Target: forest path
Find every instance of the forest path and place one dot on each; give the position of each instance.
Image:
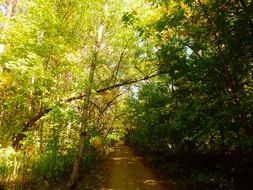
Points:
(123, 170)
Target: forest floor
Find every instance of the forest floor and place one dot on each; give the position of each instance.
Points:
(124, 170)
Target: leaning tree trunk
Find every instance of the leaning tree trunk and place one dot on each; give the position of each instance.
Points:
(85, 115)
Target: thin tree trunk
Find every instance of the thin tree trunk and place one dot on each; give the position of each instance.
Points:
(86, 105)
(85, 118)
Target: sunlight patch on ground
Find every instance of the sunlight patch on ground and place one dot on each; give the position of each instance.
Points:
(151, 182)
(136, 158)
(118, 158)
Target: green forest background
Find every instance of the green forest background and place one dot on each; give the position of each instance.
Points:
(173, 78)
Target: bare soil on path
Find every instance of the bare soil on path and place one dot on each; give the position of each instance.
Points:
(123, 170)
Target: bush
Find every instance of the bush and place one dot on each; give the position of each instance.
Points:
(50, 166)
(7, 162)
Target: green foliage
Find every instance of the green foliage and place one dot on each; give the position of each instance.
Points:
(46, 49)
(247, 143)
(50, 167)
(208, 80)
(7, 159)
(201, 181)
(202, 105)
(15, 167)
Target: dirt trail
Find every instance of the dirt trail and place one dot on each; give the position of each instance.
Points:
(123, 170)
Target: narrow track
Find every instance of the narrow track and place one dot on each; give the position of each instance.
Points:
(124, 170)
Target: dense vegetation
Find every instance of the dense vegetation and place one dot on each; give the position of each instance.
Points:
(172, 77)
(198, 114)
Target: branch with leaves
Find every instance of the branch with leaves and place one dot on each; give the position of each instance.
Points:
(32, 121)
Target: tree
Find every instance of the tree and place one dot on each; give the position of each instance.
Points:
(59, 57)
(209, 64)
(207, 103)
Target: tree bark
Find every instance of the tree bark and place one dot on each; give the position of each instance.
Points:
(85, 119)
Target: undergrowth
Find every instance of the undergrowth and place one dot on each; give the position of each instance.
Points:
(198, 171)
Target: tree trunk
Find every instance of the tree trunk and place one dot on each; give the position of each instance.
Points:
(85, 119)
(12, 8)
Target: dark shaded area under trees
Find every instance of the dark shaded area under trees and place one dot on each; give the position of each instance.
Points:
(196, 122)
